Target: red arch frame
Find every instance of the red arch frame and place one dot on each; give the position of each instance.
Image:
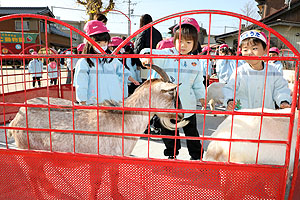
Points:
(208, 12)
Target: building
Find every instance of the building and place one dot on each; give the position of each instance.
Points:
(34, 31)
(76, 24)
(281, 15)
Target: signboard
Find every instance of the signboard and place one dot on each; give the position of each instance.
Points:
(16, 37)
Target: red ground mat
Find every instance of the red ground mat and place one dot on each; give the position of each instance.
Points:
(35, 175)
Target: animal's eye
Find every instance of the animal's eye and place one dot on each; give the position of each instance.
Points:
(172, 92)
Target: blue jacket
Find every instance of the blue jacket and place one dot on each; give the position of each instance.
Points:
(190, 77)
(250, 87)
(52, 72)
(35, 68)
(203, 63)
(109, 79)
(277, 64)
(224, 69)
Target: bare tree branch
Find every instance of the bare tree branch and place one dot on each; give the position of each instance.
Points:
(94, 7)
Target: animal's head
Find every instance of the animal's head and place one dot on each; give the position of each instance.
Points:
(164, 96)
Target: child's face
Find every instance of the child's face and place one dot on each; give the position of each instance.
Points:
(253, 50)
(186, 45)
(102, 43)
(271, 54)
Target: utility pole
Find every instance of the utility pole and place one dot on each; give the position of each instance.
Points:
(129, 21)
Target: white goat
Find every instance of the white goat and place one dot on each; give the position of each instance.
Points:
(247, 127)
(215, 94)
(163, 95)
(289, 75)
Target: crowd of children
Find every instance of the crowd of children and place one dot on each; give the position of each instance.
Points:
(99, 79)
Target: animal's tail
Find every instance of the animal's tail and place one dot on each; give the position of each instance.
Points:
(14, 122)
(10, 132)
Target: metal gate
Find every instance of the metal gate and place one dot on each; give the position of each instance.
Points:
(33, 174)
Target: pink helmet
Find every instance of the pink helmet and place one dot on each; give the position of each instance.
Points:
(274, 49)
(52, 65)
(94, 27)
(115, 41)
(223, 46)
(34, 53)
(168, 43)
(130, 44)
(188, 20)
(206, 48)
(80, 47)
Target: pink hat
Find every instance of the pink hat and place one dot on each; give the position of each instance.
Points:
(168, 43)
(254, 34)
(206, 48)
(223, 46)
(274, 49)
(115, 41)
(52, 65)
(130, 44)
(34, 53)
(94, 27)
(80, 47)
(188, 20)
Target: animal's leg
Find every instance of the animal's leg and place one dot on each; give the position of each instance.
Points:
(96, 171)
(212, 105)
(114, 177)
(39, 181)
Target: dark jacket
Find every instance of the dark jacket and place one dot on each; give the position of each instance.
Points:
(143, 40)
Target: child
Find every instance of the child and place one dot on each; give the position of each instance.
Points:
(131, 65)
(35, 68)
(274, 52)
(114, 43)
(191, 79)
(224, 67)
(52, 71)
(97, 80)
(251, 78)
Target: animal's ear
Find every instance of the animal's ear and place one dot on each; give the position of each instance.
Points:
(168, 87)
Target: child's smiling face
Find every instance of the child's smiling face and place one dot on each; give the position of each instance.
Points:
(253, 49)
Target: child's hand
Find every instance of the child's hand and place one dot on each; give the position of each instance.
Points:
(285, 105)
(136, 82)
(230, 106)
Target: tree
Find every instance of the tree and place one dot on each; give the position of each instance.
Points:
(250, 10)
(94, 7)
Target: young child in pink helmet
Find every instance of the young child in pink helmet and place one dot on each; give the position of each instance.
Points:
(52, 71)
(114, 43)
(274, 52)
(190, 76)
(251, 76)
(98, 79)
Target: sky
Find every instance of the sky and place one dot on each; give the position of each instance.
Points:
(118, 23)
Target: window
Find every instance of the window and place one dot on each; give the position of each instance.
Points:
(18, 25)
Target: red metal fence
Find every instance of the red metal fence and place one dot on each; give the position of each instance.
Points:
(33, 174)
